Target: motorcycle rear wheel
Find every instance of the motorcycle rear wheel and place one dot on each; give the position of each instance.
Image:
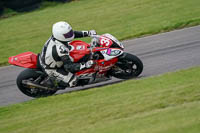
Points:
(128, 66)
(31, 74)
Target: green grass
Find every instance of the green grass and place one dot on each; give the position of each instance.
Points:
(124, 19)
(163, 104)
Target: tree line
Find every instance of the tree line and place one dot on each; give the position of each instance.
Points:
(23, 5)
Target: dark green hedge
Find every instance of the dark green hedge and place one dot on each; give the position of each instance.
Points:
(22, 5)
(60, 0)
(1, 7)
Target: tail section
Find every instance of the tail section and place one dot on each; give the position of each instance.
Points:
(26, 60)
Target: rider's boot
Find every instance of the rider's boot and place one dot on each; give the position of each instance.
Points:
(73, 81)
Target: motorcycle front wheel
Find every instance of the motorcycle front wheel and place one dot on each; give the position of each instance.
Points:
(128, 66)
(31, 75)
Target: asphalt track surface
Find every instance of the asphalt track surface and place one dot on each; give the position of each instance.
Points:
(161, 53)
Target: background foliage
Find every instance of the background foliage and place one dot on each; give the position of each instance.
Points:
(23, 5)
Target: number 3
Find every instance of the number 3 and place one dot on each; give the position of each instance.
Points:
(105, 42)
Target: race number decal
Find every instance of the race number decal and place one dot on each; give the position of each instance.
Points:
(63, 49)
(105, 42)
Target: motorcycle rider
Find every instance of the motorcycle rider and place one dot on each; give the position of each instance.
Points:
(55, 58)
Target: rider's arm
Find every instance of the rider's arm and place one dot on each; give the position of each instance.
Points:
(79, 34)
(75, 67)
(69, 65)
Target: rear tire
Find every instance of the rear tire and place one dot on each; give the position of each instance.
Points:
(128, 66)
(31, 74)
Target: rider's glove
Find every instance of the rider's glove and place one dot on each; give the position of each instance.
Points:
(91, 32)
(89, 63)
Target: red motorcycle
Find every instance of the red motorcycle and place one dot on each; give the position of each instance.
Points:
(105, 50)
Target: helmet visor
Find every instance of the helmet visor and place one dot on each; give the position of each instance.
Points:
(69, 34)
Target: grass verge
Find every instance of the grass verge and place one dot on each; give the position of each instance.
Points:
(161, 104)
(124, 19)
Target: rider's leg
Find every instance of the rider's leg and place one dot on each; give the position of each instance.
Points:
(62, 75)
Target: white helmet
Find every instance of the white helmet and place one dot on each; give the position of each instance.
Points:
(62, 31)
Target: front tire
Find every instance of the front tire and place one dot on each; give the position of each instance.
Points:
(128, 66)
(31, 74)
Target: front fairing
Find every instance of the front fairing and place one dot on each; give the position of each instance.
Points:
(114, 39)
(111, 53)
(106, 40)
